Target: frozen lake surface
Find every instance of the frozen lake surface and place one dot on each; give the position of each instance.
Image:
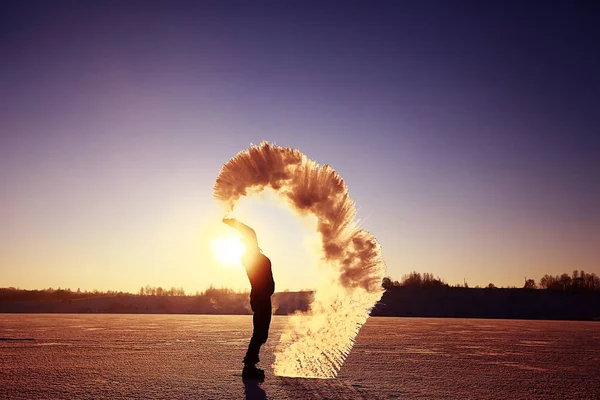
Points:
(199, 357)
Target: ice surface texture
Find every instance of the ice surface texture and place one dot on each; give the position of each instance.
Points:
(315, 343)
(119, 356)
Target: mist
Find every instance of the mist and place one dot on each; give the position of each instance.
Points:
(316, 342)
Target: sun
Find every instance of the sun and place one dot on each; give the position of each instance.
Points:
(227, 250)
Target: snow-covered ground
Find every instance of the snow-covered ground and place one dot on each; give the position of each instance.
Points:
(199, 357)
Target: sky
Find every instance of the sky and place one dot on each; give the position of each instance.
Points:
(468, 134)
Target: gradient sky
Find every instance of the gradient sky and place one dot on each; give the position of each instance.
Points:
(469, 135)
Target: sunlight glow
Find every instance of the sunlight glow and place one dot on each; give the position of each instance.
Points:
(228, 250)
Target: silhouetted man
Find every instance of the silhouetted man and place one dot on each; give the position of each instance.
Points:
(258, 268)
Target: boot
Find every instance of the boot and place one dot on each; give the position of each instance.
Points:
(250, 371)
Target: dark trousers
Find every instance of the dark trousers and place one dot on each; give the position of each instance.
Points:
(261, 307)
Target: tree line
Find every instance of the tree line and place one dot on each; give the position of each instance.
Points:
(160, 291)
(51, 294)
(578, 281)
(179, 292)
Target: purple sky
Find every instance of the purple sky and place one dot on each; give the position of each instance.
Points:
(468, 134)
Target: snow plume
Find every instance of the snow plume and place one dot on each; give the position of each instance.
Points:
(315, 343)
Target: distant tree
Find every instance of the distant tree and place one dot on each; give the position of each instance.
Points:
(594, 282)
(591, 282)
(546, 281)
(387, 283)
(421, 280)
(491, 286)
(530, 284)
(578, 281)
(412, 279)
(215, 292)
(565, 281)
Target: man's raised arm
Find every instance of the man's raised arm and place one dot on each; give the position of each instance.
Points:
(244, 229)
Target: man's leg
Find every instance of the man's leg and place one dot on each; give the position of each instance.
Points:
(254, 346)
(264, 321)
(261, 321)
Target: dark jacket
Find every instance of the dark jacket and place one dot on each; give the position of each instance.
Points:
(258, 269)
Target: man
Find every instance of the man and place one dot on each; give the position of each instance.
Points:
(258, 269)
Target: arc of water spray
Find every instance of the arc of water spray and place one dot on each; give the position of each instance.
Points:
(315, 343)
